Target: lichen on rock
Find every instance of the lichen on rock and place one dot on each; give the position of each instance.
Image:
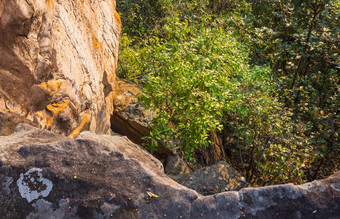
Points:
(32, 185)
(105, 176)
(57, 58)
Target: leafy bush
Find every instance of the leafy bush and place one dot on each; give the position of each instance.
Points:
(199, 80)
(265, 142)
(140, 18)
(189, 76)
(264, 73)
(131, 60)
(299, 40)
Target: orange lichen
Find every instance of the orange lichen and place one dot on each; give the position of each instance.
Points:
(96, 44)
(117, 19)
(76, 131)
(50, 3)
(120, 90)
(55, 109)
(51, 86)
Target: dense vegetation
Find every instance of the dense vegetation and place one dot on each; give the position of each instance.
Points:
(263, 75)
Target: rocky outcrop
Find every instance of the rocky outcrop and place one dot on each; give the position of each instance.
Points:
(57, 65)
(214, 179)
(45, 175)
(131, 119)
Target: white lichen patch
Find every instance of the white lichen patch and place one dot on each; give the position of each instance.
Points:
(33, 185)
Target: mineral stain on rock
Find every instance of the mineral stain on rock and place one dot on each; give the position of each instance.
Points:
(32, 185)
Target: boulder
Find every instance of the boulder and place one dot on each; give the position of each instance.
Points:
(46, 175)
(57, 66)
(176, 166)
(213, 179)
(131, 119)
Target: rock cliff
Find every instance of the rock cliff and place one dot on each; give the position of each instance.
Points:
(57, 64)
(45, 175)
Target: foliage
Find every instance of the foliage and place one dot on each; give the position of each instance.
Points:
(264, 73)
(267, 144)
(189, 79)
(142, 20)
(140, 17)
(130, 63)
(300, 40)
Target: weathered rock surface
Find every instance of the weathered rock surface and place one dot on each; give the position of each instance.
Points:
(128, 118)
(131, 119)
(57, 65)
(176, 166)
(214, 179)
(44, 175)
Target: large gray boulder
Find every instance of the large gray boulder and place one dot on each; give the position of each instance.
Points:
(45, 175)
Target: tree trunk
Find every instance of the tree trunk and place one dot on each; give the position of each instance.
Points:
(214, 153)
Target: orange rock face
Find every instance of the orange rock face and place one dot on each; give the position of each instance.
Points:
(57, 64)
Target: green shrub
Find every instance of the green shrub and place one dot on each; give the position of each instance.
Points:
(199, 80)
(267, 145)
(263, 72)
(130, 63)
(189, 75)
